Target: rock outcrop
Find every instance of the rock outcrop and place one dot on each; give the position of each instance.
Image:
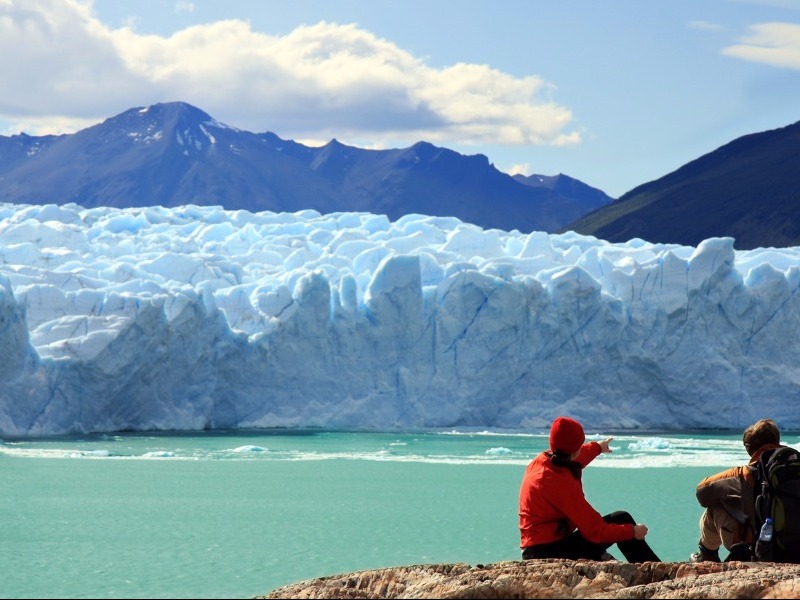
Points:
(556, 578)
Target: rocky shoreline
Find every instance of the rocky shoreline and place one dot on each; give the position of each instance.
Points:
(556, 578)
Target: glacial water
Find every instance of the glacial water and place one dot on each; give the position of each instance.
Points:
(238, 514)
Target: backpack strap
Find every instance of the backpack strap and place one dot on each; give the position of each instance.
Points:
(763, 508)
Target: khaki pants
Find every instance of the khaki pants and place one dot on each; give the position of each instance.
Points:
(718, 528)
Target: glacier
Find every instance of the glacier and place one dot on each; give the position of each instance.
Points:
(196, 318)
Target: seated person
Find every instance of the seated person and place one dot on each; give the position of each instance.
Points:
(556, 520)
(728, 498)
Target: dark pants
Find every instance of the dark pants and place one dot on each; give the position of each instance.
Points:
(575, 546)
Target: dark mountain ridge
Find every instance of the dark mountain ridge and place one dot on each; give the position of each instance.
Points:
(748, 189)
(173, 154)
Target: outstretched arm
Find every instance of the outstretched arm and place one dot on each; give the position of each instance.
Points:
(605, 448)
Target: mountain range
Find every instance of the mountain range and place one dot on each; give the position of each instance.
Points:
(173, 154)
(748, 189)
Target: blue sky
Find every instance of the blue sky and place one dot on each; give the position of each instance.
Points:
(614, 93)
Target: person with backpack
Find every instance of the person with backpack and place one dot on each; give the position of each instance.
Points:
(556, 520)
(728, 497)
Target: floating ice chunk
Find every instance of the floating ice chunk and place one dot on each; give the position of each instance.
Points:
(248, 449)
(499, 451)
(159, 454)
(88, 454)
(654, 443)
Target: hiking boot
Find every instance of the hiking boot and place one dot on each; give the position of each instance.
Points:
(741, 552)
(704, 555)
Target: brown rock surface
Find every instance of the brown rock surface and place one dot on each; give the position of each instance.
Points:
(555, 578)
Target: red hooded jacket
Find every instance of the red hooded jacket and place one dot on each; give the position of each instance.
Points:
(552, 504)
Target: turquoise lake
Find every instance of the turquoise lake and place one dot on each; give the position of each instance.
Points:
(233, 515)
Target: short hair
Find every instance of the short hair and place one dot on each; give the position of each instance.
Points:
(760, 433)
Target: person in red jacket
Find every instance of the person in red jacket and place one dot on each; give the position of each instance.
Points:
(556, 520)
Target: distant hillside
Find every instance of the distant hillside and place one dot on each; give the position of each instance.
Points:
(172, 154)
(585, 198)
(748, 189)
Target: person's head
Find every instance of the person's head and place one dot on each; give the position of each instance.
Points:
(759, 434)
(566, 436)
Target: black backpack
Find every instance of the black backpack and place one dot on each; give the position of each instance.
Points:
(777, 495)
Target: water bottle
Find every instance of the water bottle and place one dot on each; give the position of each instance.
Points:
(766, 531)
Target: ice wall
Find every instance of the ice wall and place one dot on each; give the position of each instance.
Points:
(197, 317)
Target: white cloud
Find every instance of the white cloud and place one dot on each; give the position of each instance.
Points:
(317, 82)
(775, 44)
(46, 125)
(519, 169)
